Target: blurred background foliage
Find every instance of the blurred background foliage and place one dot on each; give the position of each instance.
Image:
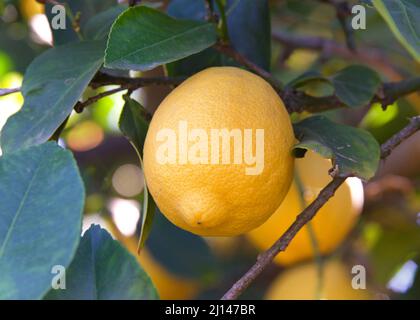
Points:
(182, 265)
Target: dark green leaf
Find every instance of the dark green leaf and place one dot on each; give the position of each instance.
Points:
(133, 123)
(147, 215)
(353, 151)
(250, 30)
(187, 9)
(356, 85)
(85, 8)
(134, 126)
(179, 251)
(402, 17)
(98, 26)
(52, 85)
(143, 38)
(104, 270)
(41, 205)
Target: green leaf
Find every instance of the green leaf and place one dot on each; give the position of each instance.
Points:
(402, 17)
(104, 270)
(143, 38)
(356, 85)
(52, 85)
(250, 30)
(86, 9)
(134, 126)
(181, 252)
(98, 26)
(353, 151)
(147, 215)
(133, 123)
(41, 205)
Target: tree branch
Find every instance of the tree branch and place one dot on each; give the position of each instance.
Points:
(343, 11)
(265, 258)
(5, 92)
(80, 106)
(367, 55)
(102, 79)
(229, 51)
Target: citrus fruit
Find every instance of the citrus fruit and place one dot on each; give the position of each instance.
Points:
(301, 283)
(331, 224)
(217, 156)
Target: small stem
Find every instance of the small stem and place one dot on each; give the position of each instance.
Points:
(6, 91)
(224, 34)
(79, 107)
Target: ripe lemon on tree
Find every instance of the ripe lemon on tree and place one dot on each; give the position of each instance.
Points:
(210, 185)
(331, 224)
(302, 283)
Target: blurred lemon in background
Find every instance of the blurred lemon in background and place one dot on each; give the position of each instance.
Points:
(301, 283)
(332, 223)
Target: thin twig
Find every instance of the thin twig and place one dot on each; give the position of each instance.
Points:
(265, 258)
(404, 134)
(367, 55)
(5, 92)
(343, 11)
(102, 79)
(229, 51)
(79, 107)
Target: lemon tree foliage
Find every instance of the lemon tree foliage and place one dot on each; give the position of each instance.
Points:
(134, 126)
(354, 151)
(52, 85)
(156, 39)
(167, 244)
(88, 10)
(249, 32)
(355, 85)
(402, 18)
(103, 269)
(99, 25)
(41, 203)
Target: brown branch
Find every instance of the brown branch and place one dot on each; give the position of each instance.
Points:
(265, 258)
(102, 79)
(343, 11)
(5, 92)
(367, 55)
(398, 138)
(229, 51)
(81, 105)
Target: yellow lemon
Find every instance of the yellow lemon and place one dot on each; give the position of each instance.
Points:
(331, 224)
(302, 283)
(217, 156)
